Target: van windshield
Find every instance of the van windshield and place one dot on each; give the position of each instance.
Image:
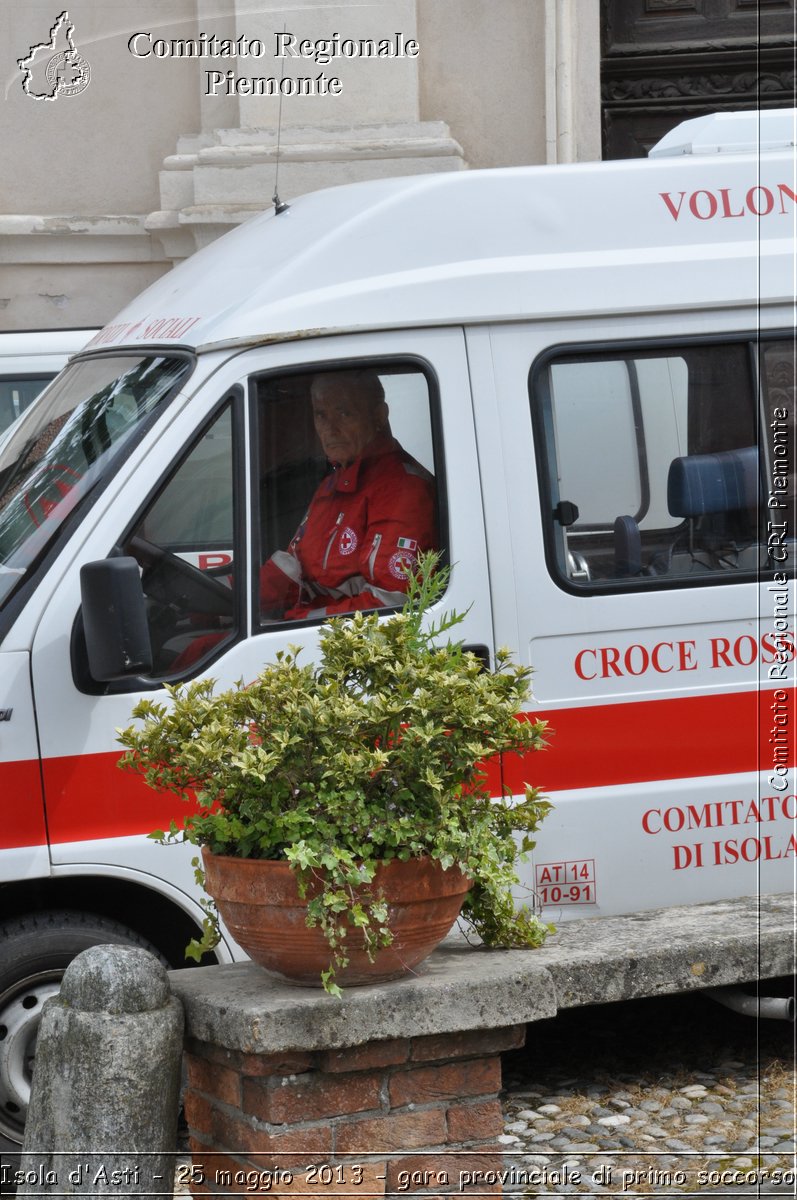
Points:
(65, 447)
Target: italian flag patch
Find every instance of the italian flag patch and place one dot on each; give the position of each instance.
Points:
(407, 544)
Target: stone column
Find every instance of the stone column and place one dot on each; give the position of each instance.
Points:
(572, 81)
(105, 1098)
(350, 118)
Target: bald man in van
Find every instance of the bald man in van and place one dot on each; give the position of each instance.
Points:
(368, 520)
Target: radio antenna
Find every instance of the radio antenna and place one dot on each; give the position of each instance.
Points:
(279, 205)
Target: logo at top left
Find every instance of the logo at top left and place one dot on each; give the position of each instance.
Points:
(55, 68)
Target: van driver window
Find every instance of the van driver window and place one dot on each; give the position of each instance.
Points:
(184, 544)
(654, 464)
(347, 494)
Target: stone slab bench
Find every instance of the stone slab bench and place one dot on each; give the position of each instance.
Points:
(395, 1087)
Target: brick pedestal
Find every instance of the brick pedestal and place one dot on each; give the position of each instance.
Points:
(414, 1114)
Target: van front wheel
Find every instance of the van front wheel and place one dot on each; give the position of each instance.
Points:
(35, 950)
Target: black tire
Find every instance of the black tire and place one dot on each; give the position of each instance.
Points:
(35, 950)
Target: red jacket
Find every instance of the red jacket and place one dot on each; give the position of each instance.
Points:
(365, 525)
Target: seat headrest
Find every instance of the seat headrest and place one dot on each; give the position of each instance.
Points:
(627, 546)
(714, 483)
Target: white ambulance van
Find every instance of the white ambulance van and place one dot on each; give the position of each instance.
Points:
(29, 359)
(596, 363)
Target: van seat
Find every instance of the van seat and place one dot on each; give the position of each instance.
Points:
(718, 494)
(714, 483)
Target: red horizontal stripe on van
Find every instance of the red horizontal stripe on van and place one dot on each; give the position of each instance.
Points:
(682, 738)
(22, 822)
(606, 745)
(89, 797)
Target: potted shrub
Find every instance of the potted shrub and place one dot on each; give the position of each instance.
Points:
(319, 787)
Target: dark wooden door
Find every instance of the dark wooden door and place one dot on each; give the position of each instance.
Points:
(666, 60)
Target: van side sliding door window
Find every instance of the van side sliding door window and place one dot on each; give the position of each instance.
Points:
(347, 497)
(652, 464)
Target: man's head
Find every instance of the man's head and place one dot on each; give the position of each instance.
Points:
(349, 411)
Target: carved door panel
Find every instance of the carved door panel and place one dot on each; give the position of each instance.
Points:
(664, 61)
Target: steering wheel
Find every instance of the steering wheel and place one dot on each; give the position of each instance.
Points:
(171, 580)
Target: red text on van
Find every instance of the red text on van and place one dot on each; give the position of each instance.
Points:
(704, 204)
(605, 662)
(613, 662)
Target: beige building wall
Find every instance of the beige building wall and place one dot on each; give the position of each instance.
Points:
(483, 75)
(73, 243)
(517, 81)
(99, 151)
(113, 184)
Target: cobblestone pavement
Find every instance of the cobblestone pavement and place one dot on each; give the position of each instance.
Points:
(673, 1096)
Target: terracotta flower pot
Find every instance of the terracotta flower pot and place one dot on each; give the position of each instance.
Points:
(260, 904)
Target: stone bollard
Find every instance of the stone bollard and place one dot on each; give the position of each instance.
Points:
(106, 1085)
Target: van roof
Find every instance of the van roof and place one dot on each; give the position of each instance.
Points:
(481, 246)
(747, 132)
(32, 343)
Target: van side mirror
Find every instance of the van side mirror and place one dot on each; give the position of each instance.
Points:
(115, 619)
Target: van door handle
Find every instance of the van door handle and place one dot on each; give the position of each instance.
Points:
(481, 652)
